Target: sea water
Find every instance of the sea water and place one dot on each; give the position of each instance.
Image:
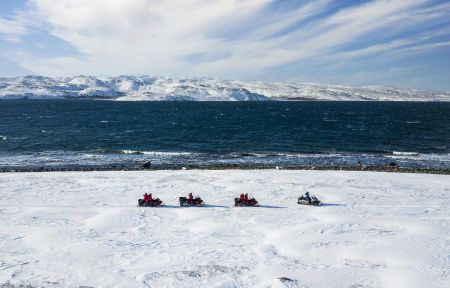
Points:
(64, 134)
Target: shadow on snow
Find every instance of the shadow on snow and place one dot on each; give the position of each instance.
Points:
(272, 206)
(331, 204)
(215, 206)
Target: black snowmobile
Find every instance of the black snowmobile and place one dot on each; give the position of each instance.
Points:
(197, 201)
(251, 203)
(154, 203)
(311, 201)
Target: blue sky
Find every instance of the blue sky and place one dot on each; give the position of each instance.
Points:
(381, 42)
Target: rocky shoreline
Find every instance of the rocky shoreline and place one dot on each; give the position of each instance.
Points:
(391, 167)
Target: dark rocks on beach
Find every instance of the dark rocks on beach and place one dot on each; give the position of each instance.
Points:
(392, 164)
(389, 167)
(147, 165)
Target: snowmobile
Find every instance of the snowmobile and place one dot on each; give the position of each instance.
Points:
(197, 201)
(312, 201)
(251, 202)
(154, 203)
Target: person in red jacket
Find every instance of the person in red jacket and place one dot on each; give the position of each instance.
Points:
(190, 197)
(246, 199)
(148, 198)
(242, 198)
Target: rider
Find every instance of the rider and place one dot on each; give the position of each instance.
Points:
(307, 197)
(146, 199)
(242, 198)
(190, 197)
(246, 198)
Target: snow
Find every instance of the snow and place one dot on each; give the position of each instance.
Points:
(148, 88)
(72, 229)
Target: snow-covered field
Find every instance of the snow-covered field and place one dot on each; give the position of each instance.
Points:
(71, 229)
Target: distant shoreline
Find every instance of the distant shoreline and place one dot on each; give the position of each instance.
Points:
(393, 169)
(153, 88)
(293, 99)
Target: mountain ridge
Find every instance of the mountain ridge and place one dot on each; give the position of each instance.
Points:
(152, 88)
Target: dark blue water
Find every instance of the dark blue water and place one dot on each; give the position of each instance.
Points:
(76, 133)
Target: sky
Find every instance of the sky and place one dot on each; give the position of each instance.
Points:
(403, 43)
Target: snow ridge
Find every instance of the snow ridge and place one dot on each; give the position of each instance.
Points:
(148, 88)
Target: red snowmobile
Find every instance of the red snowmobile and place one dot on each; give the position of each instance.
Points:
(243, 202)
(148, 201)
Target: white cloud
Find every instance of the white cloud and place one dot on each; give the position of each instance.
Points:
(412, 50)
(12, 29)
(139, 35)
(233, 38)
(396, 48)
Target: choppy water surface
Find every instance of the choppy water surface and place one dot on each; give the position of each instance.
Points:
(78, 133)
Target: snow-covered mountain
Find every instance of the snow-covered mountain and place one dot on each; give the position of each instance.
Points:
(197, 89)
